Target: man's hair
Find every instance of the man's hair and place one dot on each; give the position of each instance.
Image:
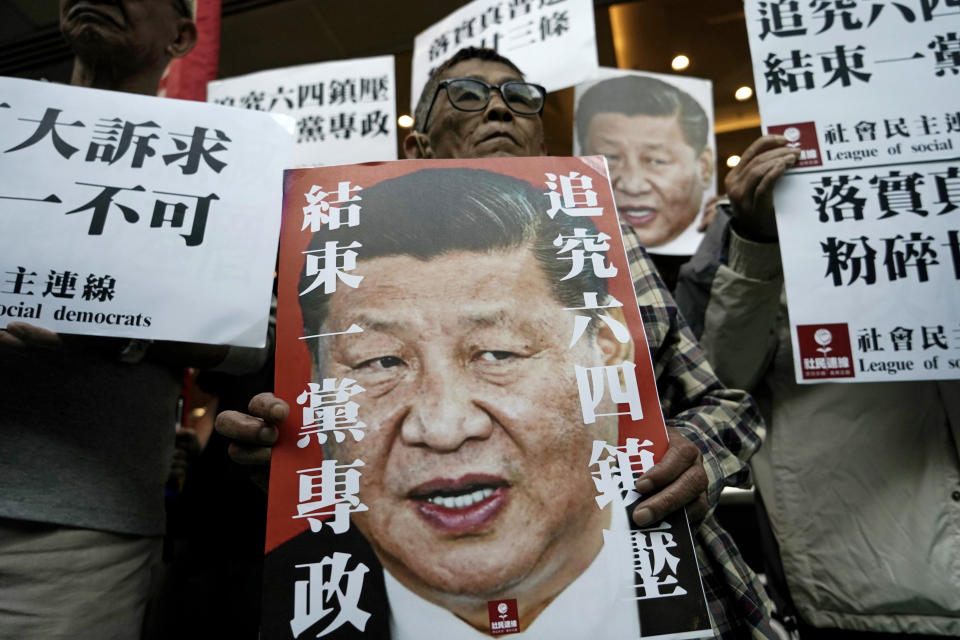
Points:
(643, 95)
(433, 212)
(467, 53)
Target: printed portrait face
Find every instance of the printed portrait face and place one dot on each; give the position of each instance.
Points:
(658, 178)
(494, 132)
(475, 453)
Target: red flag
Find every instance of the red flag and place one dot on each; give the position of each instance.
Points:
(187, 77)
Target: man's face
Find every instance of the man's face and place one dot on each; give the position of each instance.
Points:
(130, 32)
(658, 179)
(494, 132)
(475, 456)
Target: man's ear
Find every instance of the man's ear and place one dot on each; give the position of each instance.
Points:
(417, 145)
(707, 166)
(186, 39)
(614, 351)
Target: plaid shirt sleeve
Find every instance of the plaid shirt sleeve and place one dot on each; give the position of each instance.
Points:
(721, 422)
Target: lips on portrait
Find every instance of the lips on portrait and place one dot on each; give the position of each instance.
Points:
(636, 214)
(459, 506)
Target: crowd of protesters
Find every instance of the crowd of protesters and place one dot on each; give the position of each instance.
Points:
(858, 501)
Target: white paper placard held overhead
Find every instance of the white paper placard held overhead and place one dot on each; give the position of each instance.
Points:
(656, 131)
(869, 217)
(552, 41)
(871, 83)
(345, 111)
(872, 280)
(139, 217)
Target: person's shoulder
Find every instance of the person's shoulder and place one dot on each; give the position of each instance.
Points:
(637, 256)
(630, 238)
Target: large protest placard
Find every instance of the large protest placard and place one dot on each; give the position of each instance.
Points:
(868, 83)
(656, 131)
(133, 216)
(868, 218)
(345, 110)
(472, 400)
(552, 41)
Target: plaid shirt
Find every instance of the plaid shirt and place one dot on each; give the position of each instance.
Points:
(722, 423)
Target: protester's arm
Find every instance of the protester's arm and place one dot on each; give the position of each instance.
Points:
(253, 435)
(741, 317)
(750, 186)
(220, 358)
(22, 336)
(731, 288)
(712, 428)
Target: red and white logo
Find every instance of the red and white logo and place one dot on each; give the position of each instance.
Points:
(803, 136)
(825, 351)
(504, 617)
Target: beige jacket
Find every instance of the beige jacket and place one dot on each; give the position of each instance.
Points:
(861, 481)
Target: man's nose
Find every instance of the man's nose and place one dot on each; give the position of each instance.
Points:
(497, 108)
(631, 177)
(444, 414)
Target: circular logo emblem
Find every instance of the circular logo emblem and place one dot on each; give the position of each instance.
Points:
(792, 134)
(823, 337)
(502, 607)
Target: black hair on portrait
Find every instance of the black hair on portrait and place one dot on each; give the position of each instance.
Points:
(646, 96)
(434, 212)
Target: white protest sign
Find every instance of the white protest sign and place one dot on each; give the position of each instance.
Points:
(134, 216)
(662, 174)
(873, 258)
(859, 83)
(552, 41)
(868, 218)
(345, 110)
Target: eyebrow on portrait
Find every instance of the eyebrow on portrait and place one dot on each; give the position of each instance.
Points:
(369, 322)
(503, 319)
(483, 320)
(372, 323)
(373, 328)
(608, 139)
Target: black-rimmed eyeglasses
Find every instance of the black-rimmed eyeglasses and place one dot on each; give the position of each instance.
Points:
(470, 94)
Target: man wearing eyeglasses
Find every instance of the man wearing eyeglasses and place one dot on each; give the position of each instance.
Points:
(478, 108)
(478, 105)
